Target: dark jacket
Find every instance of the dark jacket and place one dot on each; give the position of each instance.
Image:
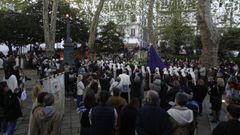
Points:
(199, 93)
(153, 120)
(128, 117)
(12, 106)
(136, 86)
(102, 120)
(216, 97)
(2, 108)
(231, 127)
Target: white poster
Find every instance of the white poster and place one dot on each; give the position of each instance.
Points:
(55, 85)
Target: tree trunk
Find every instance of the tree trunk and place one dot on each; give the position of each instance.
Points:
(151, 35)
(93, 27)
(49, 29)
(209, 34)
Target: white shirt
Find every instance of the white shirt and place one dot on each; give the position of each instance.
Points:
(125, 79)
(80, 88)
(203, 71)
(12, 82)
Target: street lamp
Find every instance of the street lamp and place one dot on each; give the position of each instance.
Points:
(68, 29)
(68, 46)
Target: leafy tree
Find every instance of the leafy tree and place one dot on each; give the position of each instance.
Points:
(26, 27)
(230, 40)
(177, 31)
(111, 38)
(18, 29)
(14, 5)
(94, 24)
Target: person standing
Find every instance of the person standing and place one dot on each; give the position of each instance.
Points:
(232, 126)
(103, 117)
(80, 91)
(3, 93)
(151, 118)
(48, 118)
(116, 100)
(182, 118)
(115, 84)
(125, 82)
(216, 98)
(89, 103)
(199, 93)
(202, 72)
(11, 80)
(12, 110)
(136, 85)
(36, 113)
(127, 118)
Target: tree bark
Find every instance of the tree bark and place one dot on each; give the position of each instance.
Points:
(50, 29)
(151, 35)
(209, 34)
(93, 27)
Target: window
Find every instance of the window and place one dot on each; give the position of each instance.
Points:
(133, 33)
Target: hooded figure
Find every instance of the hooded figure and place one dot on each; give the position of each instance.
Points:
(182, 118)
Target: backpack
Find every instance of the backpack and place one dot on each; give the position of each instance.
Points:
(137, 78)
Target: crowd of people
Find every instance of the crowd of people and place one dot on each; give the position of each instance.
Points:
(121, 98)
(179, 91)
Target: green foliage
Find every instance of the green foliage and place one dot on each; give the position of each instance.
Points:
(111, 38)
(26, 27)
(176, 31)
(230, 40)
(14, 5)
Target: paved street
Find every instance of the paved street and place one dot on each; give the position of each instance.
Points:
(71, 120)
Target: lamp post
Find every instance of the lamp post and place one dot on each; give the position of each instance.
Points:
(68, 45)
(68, 29)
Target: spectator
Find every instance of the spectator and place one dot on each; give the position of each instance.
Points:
(232, 126)
(151, 119)
(202, 72)
(89, 103)
(49, 120)
(182, 118)
(11, 80)
(103, 118)
(125, 82)
(116, 100)
(157, 84)
(36, 114)
(12, 110)
(136, 85)
(35, 93)
(128, 117)
(80, 90)
(199, 93)
(3, 93)
(115, 84)
(216, 98)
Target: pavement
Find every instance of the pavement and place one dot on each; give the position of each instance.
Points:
(71, 119)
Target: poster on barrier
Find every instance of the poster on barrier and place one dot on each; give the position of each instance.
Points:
(55, 85)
